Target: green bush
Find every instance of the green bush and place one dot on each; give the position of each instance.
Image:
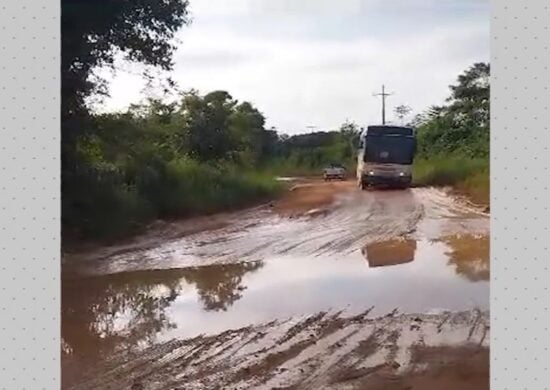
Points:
(162, 160)
(106, 206)
(102, 205)
(194, 188)
(469, 175)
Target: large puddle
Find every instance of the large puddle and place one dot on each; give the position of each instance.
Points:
(425, 253)
(102, 314)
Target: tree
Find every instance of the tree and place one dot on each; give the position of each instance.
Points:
(247, 130)
(205, 123)
(350, 132)
(470, 98)
(473, 84)
(462, 124)
(349, 129)
(270, 143)
(402, 111)
(93, 33)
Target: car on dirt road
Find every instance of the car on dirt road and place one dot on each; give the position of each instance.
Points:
(334, 172)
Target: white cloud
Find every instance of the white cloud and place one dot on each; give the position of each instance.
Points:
(299, 69)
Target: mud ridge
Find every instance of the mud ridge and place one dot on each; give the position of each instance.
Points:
(343, 351)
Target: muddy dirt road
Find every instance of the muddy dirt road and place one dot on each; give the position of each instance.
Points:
(328, 287)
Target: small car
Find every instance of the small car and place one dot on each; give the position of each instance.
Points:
(334, 171)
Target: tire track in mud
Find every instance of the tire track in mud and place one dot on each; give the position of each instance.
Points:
(354, 220)
(309, 353)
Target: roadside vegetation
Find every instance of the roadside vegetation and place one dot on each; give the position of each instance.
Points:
(198, 154)
(307, 154)
(193, 155)
(157, 160)
(469, 176)
(453, 139)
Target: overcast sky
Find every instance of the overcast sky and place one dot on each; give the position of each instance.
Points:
(317, 63)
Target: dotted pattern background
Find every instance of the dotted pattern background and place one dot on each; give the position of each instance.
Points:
(29, 194)
(520, 182)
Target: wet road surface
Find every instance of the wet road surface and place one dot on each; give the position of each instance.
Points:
(417, 251)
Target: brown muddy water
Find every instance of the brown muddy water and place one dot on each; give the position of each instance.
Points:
(416, 251)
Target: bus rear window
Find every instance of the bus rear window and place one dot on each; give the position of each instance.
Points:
(390, 130)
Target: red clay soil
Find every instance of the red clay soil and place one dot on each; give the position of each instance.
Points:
(311, 195)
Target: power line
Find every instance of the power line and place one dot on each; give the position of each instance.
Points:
(383, 95)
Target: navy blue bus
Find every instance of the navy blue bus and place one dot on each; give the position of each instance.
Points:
(385, 156)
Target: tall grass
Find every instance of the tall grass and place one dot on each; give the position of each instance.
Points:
(468, 175)
(115, 208)
(198, 188)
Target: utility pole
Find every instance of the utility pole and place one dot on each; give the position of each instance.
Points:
(311, 128)
(383, 95)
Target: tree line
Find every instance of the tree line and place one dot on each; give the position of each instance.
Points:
(461, 125)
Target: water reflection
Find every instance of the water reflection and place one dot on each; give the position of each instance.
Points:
(470, 256)
(133, 303)
(388, 253)
(220, 286)
(112, 314)
(104, 314)
(135, 309)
